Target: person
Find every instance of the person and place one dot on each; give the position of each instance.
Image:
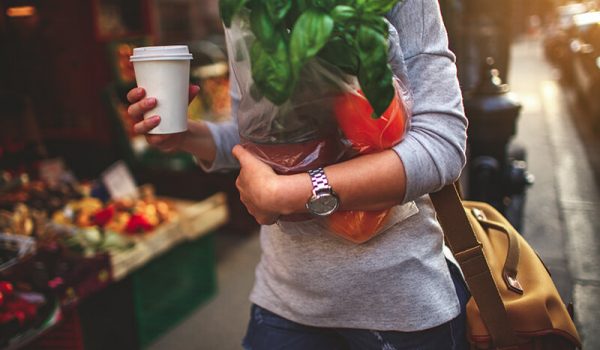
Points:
(314, 290)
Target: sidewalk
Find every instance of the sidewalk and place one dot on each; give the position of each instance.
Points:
(563, 206)
(221, 323)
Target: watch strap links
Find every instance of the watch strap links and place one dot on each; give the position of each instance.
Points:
(319, 180)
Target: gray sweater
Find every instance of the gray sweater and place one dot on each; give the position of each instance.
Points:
(399, 279)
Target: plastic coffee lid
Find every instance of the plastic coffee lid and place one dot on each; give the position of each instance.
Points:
(155, 53)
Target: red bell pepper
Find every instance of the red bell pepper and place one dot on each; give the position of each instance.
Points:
(354, 115)
(138, 224)
(103, 216)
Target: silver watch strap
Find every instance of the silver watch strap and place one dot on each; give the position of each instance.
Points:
(319, 180)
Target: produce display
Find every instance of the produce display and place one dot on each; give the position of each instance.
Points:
(25, 205)
(25, 296)
(127, 216)
(57, 240)
(13, 307)
(88, 241)
(20, 310)
(36, 208)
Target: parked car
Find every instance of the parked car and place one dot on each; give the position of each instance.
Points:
(585, 53)
(556, 38)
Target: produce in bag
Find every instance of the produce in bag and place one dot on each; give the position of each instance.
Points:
(311, 77)
(367, 135)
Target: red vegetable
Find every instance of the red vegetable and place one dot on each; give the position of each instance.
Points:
(367, 135)
(103, 216)
(6, 288)
(17, 308)
(138, 224)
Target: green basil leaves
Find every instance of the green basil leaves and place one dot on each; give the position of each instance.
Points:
(349, 34)
(374, 74)
(311, 32)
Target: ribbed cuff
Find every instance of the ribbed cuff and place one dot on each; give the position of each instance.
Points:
(223, 159)
(419, 168)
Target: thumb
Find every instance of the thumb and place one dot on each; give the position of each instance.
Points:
(240, 154)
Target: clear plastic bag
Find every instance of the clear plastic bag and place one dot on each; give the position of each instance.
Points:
(327, 119)
(300, 134)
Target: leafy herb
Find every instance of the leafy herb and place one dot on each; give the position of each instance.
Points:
(349, 34)
(311, 32)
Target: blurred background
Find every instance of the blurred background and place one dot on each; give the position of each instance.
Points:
(530, 75)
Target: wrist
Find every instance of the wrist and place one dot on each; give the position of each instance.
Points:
(198, 141)
(290, 193)
(187, 139)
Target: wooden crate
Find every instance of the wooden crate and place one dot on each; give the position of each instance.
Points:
(194, 219)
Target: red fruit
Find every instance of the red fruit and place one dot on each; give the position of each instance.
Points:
(367, 135)
(6, 288)
(103, 216)
(354, 116)
(138, 224)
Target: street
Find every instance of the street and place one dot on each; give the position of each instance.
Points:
(562, 208)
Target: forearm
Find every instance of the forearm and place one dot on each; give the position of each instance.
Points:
(369, 182)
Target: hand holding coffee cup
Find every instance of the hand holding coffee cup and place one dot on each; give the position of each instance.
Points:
(163, 74)
(140, 105)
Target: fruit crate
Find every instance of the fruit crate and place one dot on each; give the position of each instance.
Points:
(193, 219)
(170, 287)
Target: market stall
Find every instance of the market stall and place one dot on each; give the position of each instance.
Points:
(63, 242)
(84, 267)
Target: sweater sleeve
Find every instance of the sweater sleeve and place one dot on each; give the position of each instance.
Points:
(225, 135)
(433, 151)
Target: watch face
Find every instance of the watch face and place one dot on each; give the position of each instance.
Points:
(323, 204)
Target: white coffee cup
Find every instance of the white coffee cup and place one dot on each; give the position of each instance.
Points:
(164, 72)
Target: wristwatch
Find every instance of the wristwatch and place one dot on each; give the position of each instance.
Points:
(324, 201)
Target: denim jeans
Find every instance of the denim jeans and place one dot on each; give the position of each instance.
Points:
(268, 331)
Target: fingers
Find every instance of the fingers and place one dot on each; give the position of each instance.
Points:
(136, 111)
(140, 105)
(146, 125)
(248, 182)
(193, 91)
(135, 94)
